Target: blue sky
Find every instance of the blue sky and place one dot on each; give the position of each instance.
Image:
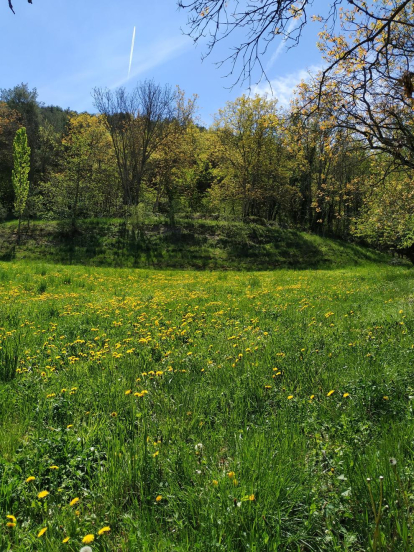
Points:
(65, 48)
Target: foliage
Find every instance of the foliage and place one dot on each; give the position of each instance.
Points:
(138, 125)
(387, 218)
(174, 158)
(255, 25)
(21, 157)
(252, 164)
(10, 121)
(303, 168)
(86, 180)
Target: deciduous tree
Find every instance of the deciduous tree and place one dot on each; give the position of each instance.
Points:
(138, 123)
(252, 166)
(21, 156)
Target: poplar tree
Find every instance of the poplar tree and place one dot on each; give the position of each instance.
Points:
(21, 157)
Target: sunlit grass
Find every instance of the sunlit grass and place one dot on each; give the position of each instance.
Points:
(205, 411)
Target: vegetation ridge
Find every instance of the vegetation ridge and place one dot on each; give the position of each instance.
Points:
(198, 244)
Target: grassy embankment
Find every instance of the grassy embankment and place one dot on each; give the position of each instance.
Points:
(206, 411)
(194, 244)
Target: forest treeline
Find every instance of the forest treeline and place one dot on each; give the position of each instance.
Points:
(144, 152)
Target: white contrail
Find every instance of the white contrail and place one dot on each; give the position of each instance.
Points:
(132, 51)
(279, 49)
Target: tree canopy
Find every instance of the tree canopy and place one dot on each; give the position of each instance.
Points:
(372, 28)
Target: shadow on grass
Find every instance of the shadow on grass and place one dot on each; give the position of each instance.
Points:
(201, 245)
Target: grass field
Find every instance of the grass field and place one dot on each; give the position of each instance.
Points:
(206, 411)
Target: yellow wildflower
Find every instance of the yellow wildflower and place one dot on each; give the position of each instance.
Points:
(74, 501)
(12, 518)
(41, 532)
(30, 478)
(105, 529)
(42, 494)
(159, 498)
(87, 539)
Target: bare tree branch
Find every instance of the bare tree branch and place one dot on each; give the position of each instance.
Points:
(265, 20)
(11, 5)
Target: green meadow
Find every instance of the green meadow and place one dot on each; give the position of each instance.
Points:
(145, 410)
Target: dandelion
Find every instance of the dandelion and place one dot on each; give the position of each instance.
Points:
(87, 539)
(66, 539)
(42, 494)
(290, 397)
(10, 524)
(252, 498)
(156, 453)
(74, 501)
(393, 461)
(12, 518)
(386, 398)
(69, 426)
(41, 532)
(114, 414)
(346, 395)
(312, 397)
(215, 482)
(105, 529)
(53, 468)
(86, 549)
(159, 498)
(128, 391)
(231, 474)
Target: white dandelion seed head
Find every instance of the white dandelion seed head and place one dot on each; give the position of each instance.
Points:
(86, 549)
